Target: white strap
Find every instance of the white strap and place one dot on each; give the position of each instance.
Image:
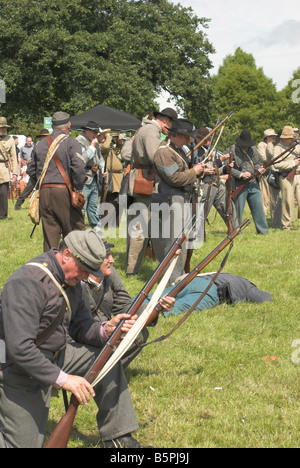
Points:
(42, 267)
(138, 326)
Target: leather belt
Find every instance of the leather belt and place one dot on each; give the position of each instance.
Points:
(62, 186)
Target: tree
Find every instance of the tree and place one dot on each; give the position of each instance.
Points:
(74, 54)
(243, 88)
(290, 96)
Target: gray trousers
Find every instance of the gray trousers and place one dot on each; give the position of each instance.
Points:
(24, 403)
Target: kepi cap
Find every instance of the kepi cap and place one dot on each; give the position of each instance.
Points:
(88, 248)
(60, 118)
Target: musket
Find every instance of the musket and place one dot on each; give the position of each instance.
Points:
(187, 267)
(203, 264)
(239, 189)
(60, 435)
(229, 194)
(211, 133)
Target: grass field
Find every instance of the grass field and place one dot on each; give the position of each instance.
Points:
(210, 385)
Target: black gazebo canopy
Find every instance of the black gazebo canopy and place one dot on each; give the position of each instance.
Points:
(106, 117)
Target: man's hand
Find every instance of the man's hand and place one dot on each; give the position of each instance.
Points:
(111, 325)
(199, 168)
(167, 303)
(246, 175)
(80, 388)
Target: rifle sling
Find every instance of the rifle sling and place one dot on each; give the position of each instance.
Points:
(193, 307)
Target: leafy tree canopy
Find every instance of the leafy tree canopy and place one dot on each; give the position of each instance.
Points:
(243, 88)
(74, 54)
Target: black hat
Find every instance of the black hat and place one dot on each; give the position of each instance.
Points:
(43, 132)
(108, 246)
(183, 126)
(245, 139)
(91, 125)
(168, 112)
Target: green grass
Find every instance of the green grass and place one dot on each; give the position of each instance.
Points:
(209, 384)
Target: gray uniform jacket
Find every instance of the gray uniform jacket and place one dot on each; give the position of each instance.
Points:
(248, 162)
(172, 167)
(110, 299)
(145, 143)
(29, 302)
(70, 154)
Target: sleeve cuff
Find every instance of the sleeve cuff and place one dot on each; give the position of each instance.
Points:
(61, 380)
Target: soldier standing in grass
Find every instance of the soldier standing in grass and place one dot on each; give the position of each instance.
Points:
(287, 168)
(58, 215)
(8, 165)
(175, 187)
(246, 163)
(145, 143)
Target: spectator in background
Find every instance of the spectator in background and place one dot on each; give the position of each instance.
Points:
(26, 150)
(8, 164)
(91, 155)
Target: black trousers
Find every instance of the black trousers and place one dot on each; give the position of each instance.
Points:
(58, 216)
(4, 200)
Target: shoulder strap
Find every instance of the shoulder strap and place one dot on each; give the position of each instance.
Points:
(60, 167)
(45, 334)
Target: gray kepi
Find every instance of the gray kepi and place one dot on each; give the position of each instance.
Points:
(88, 248)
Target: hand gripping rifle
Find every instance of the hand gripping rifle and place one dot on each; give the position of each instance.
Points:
(285, 153)
(60, 435)
(189, 278)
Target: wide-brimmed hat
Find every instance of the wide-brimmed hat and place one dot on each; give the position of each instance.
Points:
(183, 126)
(287, 132)
(44, 132)
(168, 112)
(60, 118)
(103, 130)
(245, 139)
(3, 122)
(91, 125)
(88, 248)
(269, 133)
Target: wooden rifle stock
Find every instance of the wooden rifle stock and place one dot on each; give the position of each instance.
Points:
(241, 187)
(61, 434)
(189, 278)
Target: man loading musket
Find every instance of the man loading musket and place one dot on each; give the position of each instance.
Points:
(212, 188)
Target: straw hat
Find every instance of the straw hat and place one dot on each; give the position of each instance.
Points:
(287, 132)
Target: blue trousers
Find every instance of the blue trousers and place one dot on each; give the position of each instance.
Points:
(252, 194)
(91, 196)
